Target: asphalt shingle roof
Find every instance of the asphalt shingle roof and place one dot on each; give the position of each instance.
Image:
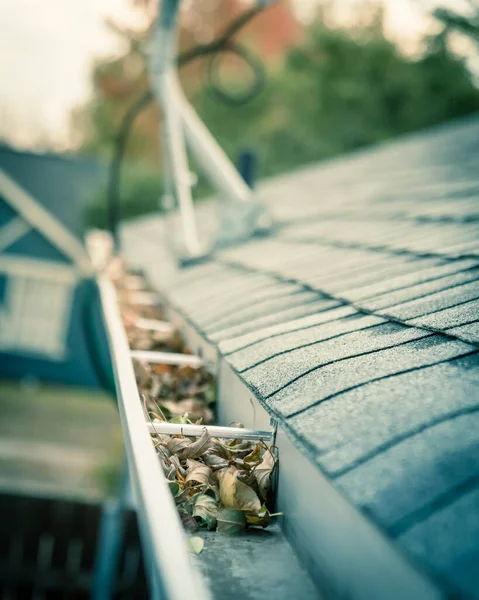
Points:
(356, 323)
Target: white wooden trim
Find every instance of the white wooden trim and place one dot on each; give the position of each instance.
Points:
(35, 316)
(38, 269)
(12, 231)
(44, 222)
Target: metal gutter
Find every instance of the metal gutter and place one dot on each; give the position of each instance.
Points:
(167, 564)
(237, 433)
(166, 358)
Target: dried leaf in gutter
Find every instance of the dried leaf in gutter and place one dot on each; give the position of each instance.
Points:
(216, 483)
(254, 457)
(174, 487)
(261, 519)
(175, 461)
(180, 420)
(189, 523)
(197, 473)
(202, 444)
(195, 544)
(142, 373)
(236, 448)
(263, 472)
(194, 407)
(177, 445)
(215, 461)
(230, 521)
(206, 510)
(235, 494)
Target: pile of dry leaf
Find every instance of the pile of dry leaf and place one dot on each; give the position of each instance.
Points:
(216, 483)
(219, 484)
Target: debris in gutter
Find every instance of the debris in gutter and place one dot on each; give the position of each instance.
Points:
(195, 544)
(217, 484)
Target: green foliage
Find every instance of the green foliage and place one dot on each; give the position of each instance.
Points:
(462, 23)
(339, 91)
(139, 194)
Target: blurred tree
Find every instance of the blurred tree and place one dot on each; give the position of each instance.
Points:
(465, 23)
(337, 89)
(119, 81)
(342, 89)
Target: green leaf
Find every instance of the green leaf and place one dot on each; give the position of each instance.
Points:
(235, 494)
(206, 510)
(237, 448)
(210, 394)
(174, 487)
(261, 519)
(189, 523)
(254, 456)
(230, 521)
(181, 420)
(195, 545)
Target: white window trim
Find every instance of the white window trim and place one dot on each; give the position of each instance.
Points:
(12, 231)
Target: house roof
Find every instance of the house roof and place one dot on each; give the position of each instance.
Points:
(356, 324)
(21, 213)
(61, 184)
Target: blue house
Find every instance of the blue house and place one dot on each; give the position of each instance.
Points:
(49, 327)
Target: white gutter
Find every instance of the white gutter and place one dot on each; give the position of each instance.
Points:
(169, 570)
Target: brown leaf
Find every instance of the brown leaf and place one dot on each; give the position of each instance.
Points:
(220, 450)
(175, 461)
(235, 494)
(263, 472)
(215, 461)
(236, 448)
(199, 447)
(177, 444)
(161, 369)
(187, 370)
(197, 472)
(195, 408)
(182, 496)
(142, 374)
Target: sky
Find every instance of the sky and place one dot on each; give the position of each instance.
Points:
(47, 48)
